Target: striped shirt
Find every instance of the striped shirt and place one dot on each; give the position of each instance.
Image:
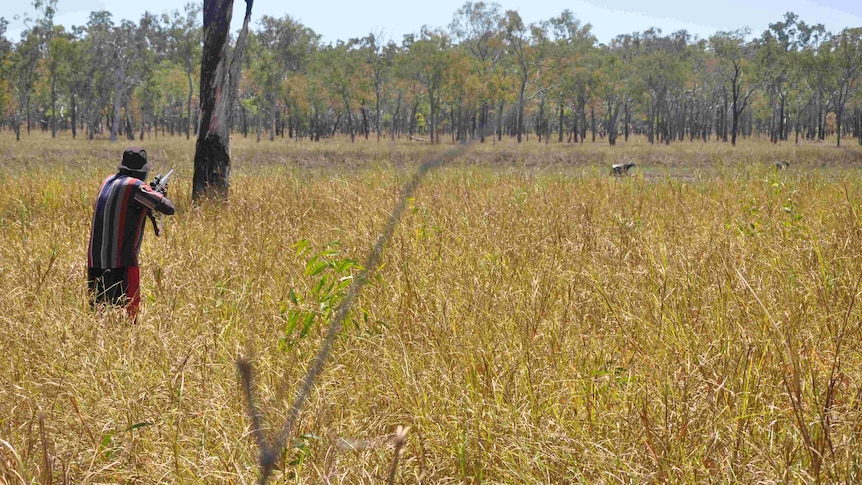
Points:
(118, 221)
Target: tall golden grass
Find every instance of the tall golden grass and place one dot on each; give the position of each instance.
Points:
(534, 321)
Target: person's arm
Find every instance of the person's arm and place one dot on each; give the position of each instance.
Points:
(148, 197)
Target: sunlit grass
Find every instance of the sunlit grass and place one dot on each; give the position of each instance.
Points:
(535, 320)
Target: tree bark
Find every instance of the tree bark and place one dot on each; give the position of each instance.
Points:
(53, 105)
(118, 99)
(189, 106)
(560, 138)
(520, 120)
(219, 82)
(500, 121)
(74, 117)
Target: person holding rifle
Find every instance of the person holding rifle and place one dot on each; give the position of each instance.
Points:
(122, 207)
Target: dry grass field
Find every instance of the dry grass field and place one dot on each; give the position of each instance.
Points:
(534, 320)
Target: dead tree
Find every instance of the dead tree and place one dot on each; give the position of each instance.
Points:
(219, 81)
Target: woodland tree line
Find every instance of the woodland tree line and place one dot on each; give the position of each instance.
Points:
(486, 75)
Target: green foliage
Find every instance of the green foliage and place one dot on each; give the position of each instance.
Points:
(489, 68)
(331, 274)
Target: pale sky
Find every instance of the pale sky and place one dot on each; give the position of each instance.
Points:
(343, 19)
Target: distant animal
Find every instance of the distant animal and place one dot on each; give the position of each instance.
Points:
(782, 164)
(620, 169)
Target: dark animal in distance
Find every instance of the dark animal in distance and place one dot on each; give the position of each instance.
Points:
(620, 169)
(782, 164)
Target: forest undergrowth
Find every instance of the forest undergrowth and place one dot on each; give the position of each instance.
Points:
(534, 320)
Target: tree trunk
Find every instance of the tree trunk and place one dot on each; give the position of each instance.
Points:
(838, 113)
(272, 114)
(118, 99)
(365, 125)
(395, 117)
(452, 124)
(377, 113)
(483, 121)
(782, 126)
(500, 121)
(433, 118)
(130, 129)
(651, 114)
(218, 87)
(735, 121)
(189, 107)
(521, 110)
(627, 120)
(560, 137)
(53, 106)
(74, 117)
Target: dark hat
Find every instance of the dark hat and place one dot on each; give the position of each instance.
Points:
(135, 160)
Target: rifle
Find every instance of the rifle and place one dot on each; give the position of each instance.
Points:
(160, 185)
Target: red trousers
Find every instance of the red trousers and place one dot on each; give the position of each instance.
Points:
(116, 286)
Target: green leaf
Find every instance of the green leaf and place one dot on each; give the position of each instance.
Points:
(306, 324)
(292, 321)
(317, 289)
(106, 440)
(314, 267)
(301, 246)
(345, 265)
(139, 425)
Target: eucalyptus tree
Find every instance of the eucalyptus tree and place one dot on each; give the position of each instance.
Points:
(524, 55)
(127, 49)
(150, 96)
(47, 9)
(546, 81)
(461, 92)
(7, 103)
(846, 51)
(735, 55)
(568, 53)
(296, 88)
(661, 65)
(428, 65)
(409, 93)
(64, 52)
(815, 78)
(5, 44)
(476, 27)
(379, 57)
(220, 77)
(776, 53)
(317, 97)
(184, 38)
(284, 45)
(611, 77)
(259, 82)
(27, 54)
(92, 82)
(701, 90)
(341, 66)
